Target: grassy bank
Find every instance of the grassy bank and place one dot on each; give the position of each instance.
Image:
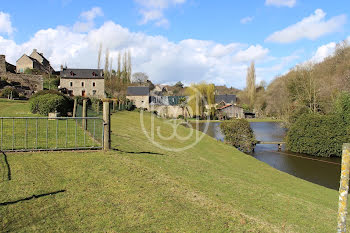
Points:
(15, 108)
(210, 187)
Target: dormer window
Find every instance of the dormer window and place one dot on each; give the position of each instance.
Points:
(94, 74)
(72, 73)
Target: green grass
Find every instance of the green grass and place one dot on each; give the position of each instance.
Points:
(210, 187)
(249, 120)
(22, 134)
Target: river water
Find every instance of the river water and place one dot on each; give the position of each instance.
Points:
(322, 171)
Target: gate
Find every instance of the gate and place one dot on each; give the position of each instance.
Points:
(43, 133)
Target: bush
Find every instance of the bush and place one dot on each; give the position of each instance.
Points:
(7, 92)
(43, 104)
(318, 135)
(239, 134)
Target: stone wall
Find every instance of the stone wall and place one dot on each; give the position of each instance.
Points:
(170, 111)
(140, 101)
(33, 82)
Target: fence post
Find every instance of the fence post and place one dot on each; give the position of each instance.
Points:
(84, 114)
(106, 125)
(344, 188)
(75, 108)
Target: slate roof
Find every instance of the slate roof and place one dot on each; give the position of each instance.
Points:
(137, 91)
(226, 98)
(81, 73)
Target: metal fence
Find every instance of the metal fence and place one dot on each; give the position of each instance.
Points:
(43, 133)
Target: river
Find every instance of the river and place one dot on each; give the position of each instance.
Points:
(322, 171)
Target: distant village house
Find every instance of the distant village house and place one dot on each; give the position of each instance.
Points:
(36, 61)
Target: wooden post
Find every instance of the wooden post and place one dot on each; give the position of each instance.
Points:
(84, 114)
(344, 188)
(98, 107)
(75, 108)
(106, 125)
(113, 105)
(119, 105)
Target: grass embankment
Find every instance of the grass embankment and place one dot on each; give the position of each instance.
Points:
(139, 187)
(41, 133)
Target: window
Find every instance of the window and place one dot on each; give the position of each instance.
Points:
(70, 84)
(82, 84)
(93, 92)
(93, 84)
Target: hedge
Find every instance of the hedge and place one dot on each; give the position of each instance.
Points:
(318, 135)
(239, 134)
(46, 103)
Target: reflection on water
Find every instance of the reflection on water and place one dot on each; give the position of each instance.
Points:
(322, 171)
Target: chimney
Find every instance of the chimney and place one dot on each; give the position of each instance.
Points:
(61, 67)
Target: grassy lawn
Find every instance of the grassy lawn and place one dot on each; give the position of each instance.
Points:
(41, 134)
(138, 187)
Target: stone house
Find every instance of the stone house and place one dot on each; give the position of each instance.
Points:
(25, 84)
(230, 111)
(139, 95)
(35, 60)
(83, 82)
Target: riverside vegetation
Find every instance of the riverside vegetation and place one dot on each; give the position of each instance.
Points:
(139, 187)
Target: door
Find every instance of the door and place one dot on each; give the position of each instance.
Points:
(83, 93)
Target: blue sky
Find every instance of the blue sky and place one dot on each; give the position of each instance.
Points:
(178, 40)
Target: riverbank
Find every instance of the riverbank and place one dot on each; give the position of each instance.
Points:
(137, 187)
(248, 119)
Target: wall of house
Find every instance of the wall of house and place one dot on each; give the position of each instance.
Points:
(169, 111)
(23, 63)
(140, 101)
(88, 87)
(232, 112)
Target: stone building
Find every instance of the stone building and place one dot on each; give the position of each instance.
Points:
(35, 60)
(83, 82)
(230, 111)
(139, 95)
(25, 84)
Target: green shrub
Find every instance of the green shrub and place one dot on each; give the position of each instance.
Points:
(43, 104)
(44, 92)
(319, 135)
(239, 134)
(7, 92)
(342, 106)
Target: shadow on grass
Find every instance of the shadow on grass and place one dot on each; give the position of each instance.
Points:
(7, 165)
(137, 152)
(32, 197)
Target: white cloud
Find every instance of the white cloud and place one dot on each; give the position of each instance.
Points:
(323, 51)
(88, 18)
(164, 61)
(247, 19)
(153, 10)
(311, 27)
(5, 24)
(281, 3)
(91, 14)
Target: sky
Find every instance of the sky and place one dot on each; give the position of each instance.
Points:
(178, 40)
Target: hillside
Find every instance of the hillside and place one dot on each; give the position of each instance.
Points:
(211, 187)
(310, 87)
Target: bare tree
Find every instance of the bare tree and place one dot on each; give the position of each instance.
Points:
(99, 57)
(107, 63)
(129, 69)
(140, 78)
(251, 77)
